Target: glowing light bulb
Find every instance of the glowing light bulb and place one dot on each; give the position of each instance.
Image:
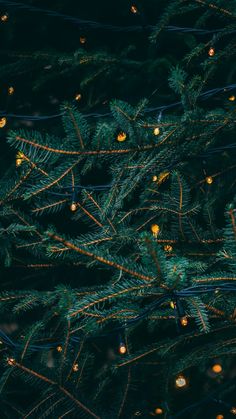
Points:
(11, 361)
(121, 136)
(232, 98)
(75, 367)
(184, 321)
(217, 368)
(233, 410)
(73, 207)
(155, 229)
(82, 40)
(4, 17)
(3, 122)
(220, 417)
(181, 381)
(134, 9)
(11, 90)
(59, 348)
(78, 97)
(154, 178)
(172, 305)
(158, 411)
(211, 52)
(156, 131)
(168, 248)
(209, 180)
(122, 349)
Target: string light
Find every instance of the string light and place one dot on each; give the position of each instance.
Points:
(233, 410)
(122, 349)
(19, 158)
(11, 361)
(82, 40)
(134, 9)
(156, 131)
(184, 321)
(168, 248)
(232, 98)
(220, 417)
(121, 136)
(155, 229)
(3, 122)
(78, 97)
(209, 180)
(181, 381)
(211, 52)
(59, 348)
(75, 367)
(73, 207)
(217, 368)
(158, 411)
(4, 17)
(11, 90)
(154, 178)
(172, 305)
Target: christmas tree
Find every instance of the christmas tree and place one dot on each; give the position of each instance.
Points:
(118, 219)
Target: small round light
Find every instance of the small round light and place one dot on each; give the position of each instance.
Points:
(172, 305)
(4, 17)
(232, 98)
(233, 410)
(3, 122)
(158, 411)
(78, 97)
(156, 131)
(18, 162)
(121, 136)
(168, 248)
(181, 381)
(154, 178)
(155, 229)
(134, 9)
(220, 417)
(73, 207)
(75, 367)
(82, 40)
(11, 361)
(217, 368)
(184, 321)
(11, 90)
(122, 349)
(59, 348)
(211, 52)
(209, 180)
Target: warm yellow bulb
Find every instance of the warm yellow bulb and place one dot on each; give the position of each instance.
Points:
(156, 131)
(73, 207)
(155, 229)
(220, 417)
(154, 178)
(158, 411)
(211, 52)
(184, 321)
(121, 136)
(134, 9)
(78, 97)
(11, 361)
(18, 162)
(122, 349)
(217, 368)
(82, 40)
(168, 248)
(4, 17)
(233, 410)
(232, 98)
(59, 348)
(3, 122)
(172, 305)
(75, 367)
(11, 90)
(181, 381)
(209, 180)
